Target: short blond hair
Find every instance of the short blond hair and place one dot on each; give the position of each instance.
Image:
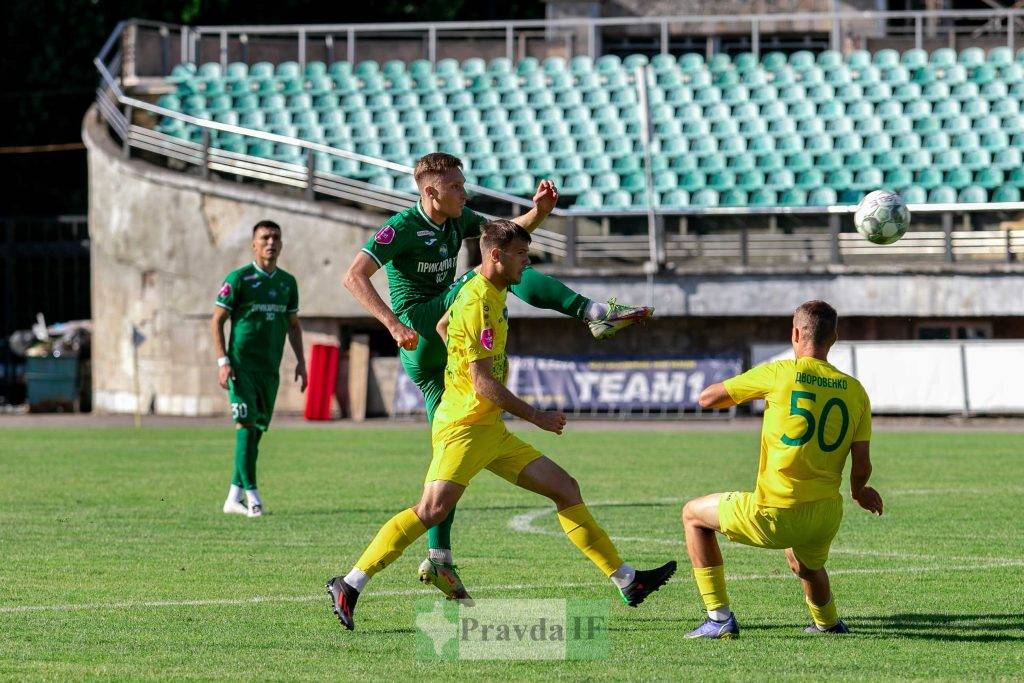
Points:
(434, 164)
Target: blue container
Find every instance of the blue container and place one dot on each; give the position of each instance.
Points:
(52, 383)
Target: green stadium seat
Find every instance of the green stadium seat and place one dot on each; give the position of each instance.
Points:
(972, 57)
(690, 62)
(906, 92)
(617, 199)
(988, 178)
(720, 180)
(1007, 159)
(733, 197)
(840, 177)
(1000, 56)
(810, 179)
(828, 59)
(996, 90)
(944, 57)
(957, 177)
(858, 59)
(934, 92)
(946, 159)
(914, 58)
(916, 159)
(801, 60)
(897, 127)
(1011, 74)
(1006, 194)
(692, 180)
(912, 194)
(929, 178)
(973, 195)
(899, 177)
(822, 196)
(886, 58)
(847, 92)
(705, 197)
(877, 92)
(793, 197)
(591, 199)
(895, 75)
(857, 160)
(828, 161)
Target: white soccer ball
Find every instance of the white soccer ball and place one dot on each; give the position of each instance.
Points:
(882, 217)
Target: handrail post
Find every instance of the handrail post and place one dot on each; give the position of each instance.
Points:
(510, 43)
(918, 32)
(655, 231)
(310, 171)
(165, 51)
(206, 153)
(755, 37)
(570, 242)
(184, 44)
(947, 228)
(836, 256)
(126, 146)
(664, 37)
(350, 46)
(592, 40)
(432, 45)
(1011, 26)
(744, 245)
(329, 48)
(224, 50)
(302, 48)
(835, 39)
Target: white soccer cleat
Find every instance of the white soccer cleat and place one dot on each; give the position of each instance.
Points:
(618, 318)
(255, 511)
(235, 507)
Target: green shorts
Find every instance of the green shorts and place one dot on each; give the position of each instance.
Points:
(252, 396)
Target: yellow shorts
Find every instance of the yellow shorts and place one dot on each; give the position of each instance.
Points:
(461, 452)
(808, 529)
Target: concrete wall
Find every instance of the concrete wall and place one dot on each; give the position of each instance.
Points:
(162, 242)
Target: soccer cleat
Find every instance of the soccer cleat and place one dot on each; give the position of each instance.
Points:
(646, 582)
(717, 630)
(343, 601)
(446, 578)
(617, 318)
(255, 511)
(838, 627)
(235, 507)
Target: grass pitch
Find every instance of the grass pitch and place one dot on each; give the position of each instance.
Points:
(117, 560)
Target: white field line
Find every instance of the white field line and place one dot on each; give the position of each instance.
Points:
(524, 523)
(229, 602)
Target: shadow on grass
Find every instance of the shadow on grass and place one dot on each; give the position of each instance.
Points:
(980, 628)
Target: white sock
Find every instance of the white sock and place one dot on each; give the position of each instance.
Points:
(235, 494)
(720, 614)
(596, 310)
(623, 576)
(442, 555)
(253, 496)
(357, 578)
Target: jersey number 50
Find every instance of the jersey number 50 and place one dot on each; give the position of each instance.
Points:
(795, 409)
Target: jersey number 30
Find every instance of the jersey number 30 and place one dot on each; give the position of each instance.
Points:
(809, 433)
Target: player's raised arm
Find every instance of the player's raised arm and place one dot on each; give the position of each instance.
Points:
(357, 281)
(860, 471)
(494, 391)
(544, 201)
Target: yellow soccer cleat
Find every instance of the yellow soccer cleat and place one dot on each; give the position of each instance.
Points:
(618, 317)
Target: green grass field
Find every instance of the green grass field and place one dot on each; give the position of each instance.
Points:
(118, 562)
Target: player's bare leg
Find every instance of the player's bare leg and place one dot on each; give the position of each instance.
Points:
(547, 478)
(818, 594)
(701, 523)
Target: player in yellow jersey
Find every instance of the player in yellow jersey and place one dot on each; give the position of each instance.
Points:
(469, 435)
(815, 415)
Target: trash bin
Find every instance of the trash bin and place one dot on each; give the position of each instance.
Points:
(52, 383)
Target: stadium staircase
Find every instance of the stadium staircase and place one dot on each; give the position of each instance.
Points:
(796, 130)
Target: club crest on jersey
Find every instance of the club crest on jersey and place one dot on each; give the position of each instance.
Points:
(384, 235)
(225, 290)
(272, 293)
(487, 339)
(444, 251)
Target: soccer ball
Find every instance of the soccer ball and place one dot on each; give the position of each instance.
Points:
(882, 217)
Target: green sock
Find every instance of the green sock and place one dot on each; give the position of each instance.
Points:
(543, 291)
(440, 537)
(242, 437)
(250, 457)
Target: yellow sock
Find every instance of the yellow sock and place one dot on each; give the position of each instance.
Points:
(825, 616)
(711, 583)
(581, 528)
(393, 538)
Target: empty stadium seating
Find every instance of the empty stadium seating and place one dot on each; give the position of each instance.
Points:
(791, 130)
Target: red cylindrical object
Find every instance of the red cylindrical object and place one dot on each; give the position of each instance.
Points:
(323, 379)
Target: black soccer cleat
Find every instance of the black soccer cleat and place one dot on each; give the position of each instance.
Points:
(343, 601)
(838, 627)
(646, 582)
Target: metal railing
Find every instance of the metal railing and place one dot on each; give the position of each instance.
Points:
(570, 244)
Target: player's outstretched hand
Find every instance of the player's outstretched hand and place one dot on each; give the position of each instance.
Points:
(301, 377)
(546, 197)
(550, 420)
(869, 499)
(223, 374)
(405, 337)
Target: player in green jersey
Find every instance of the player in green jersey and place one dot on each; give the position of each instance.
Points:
(262, 302)
(419, 247)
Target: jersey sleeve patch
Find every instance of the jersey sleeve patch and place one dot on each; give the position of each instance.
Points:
(487, 338)
(225, 290)
(385, 235)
